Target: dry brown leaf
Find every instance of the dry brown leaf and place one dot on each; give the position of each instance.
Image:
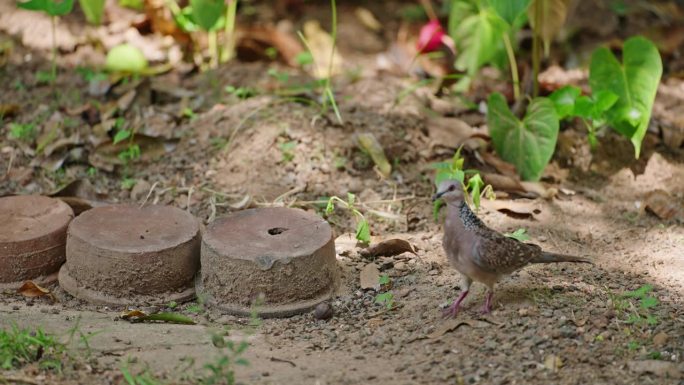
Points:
(31, 289)
(253, 42)
(8, 110)
(368, 19)
(321, 45)
(503, 182)
(388, 248)
(664, 206)
(369, 277)
(80, 195)
(449, 132)
(106, 155)
(501, 166)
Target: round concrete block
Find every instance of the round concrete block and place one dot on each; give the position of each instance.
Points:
(32, 239)
(124, 254)
(285, 256)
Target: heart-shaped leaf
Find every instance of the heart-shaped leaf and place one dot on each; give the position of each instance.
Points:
(547, 18)
(527, 144)
(510, 10)
(477, 33)
(206, 13)
(635, 82)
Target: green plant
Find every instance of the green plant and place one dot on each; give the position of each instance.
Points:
(328, 95)
(128, 183)
(222, 371)
(635, 82)
(53, 8)
(454, 170)
(527, 144)
(362, 228)
(519, 234)
(287, 150)
(642, 315)
(241, 92)
(25, 132)
(19, 347)
(143, 378)
(591, 110)
(385, 298)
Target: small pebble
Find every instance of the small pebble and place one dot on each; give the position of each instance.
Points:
(323, 311)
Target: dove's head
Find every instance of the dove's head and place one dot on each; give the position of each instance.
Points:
(450, 190)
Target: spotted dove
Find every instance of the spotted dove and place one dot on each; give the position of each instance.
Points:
(480, 253)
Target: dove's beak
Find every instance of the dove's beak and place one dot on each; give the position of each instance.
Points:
(437, 196)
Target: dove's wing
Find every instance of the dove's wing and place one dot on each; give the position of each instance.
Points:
(499, 254)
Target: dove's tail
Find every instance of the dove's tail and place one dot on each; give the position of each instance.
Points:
(553, 258)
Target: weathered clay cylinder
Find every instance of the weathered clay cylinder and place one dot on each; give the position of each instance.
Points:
(32, 239)
(283, 257)
(124, 254)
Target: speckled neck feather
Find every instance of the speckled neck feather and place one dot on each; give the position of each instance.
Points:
(468, 217)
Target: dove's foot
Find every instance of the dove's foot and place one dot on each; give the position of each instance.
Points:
(452, 310)
(487, 308)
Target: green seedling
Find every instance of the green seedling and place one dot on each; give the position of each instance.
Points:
(519, 234)
(635, 81)
(195, 308)
(127, 183)
(133, 4)
(642, 315)
(143, 378)
(385, 298)
(25, 132)
(362, 228)
(241, 92)
(475, 187)
(328, 95)
(19, 347)
(222, 371)
(54, 9)
(287, 150)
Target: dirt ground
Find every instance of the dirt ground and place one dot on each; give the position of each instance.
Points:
(551, 324)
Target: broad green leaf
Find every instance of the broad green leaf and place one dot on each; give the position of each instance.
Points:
(477, 32)
(564, 100)
(648, 302)
(510, 10)
(527, 144)
(206, 13)
(51, 7)
(551, 14)
(363, 231)
(635, 82)
(125, 58)
(443, 175)
(604, 100)
(93, 10)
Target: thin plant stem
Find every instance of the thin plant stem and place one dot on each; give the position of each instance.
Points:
(228, 50)
(536, 54)
(514, 66)
(328, 87)
(54, 51)
(213, 48)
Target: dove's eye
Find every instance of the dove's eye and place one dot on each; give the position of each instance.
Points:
(452, 188)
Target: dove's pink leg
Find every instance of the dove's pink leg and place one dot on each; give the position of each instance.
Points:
(487, 308)
(452, 310)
